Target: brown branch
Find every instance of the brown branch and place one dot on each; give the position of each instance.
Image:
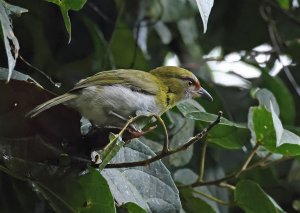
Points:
(244, 168)
(165, 151)
(235, 174)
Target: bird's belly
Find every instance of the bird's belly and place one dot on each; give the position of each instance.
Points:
(113, 105)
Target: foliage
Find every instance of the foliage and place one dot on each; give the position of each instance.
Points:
(245, 159)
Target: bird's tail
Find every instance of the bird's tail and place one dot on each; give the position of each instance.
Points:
(48, 104)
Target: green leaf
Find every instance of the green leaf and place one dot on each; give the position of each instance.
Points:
(226, 134)
(284, 4)
(66, 189)
(110, 150)
(267, 129)
(204, 7)
(121, 44)
(65, 6)
(132, 208)
(193, 204)
(150, 187)
(252, 199)
(87, 192)
(10, 41)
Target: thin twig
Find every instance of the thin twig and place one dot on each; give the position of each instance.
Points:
(266, 13)
(56, 84)
(217, 200)
(235, 174)
(165, 152)
(248, 160)
(202, 161)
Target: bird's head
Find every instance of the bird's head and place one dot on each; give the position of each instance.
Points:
(183, 83)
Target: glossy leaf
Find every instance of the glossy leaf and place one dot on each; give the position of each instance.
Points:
(150, 187)
(10, 41)
(252, 199)
(266, 128)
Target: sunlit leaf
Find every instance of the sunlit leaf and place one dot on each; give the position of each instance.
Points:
(204, 7)
(267, 99)
(266, 128)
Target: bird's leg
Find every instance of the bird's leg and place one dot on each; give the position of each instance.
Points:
(136, 134)
(117, 115)
(123, 119)
(131, 129)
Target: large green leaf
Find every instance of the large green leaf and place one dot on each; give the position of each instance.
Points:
(88, 192)
(66, 189)
(226, 134)
(266, 128)
(252, 199)
(10, 41)
(150, 187)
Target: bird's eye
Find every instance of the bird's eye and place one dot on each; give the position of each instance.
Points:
(190, 83)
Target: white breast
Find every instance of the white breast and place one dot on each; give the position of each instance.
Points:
(96, 104)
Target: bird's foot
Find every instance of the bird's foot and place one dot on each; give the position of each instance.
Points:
(135, 133)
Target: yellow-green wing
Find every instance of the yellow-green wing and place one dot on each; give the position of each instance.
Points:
(134, 79)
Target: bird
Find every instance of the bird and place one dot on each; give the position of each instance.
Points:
(110, 98)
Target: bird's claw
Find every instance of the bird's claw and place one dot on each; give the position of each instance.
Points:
(134, 133)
